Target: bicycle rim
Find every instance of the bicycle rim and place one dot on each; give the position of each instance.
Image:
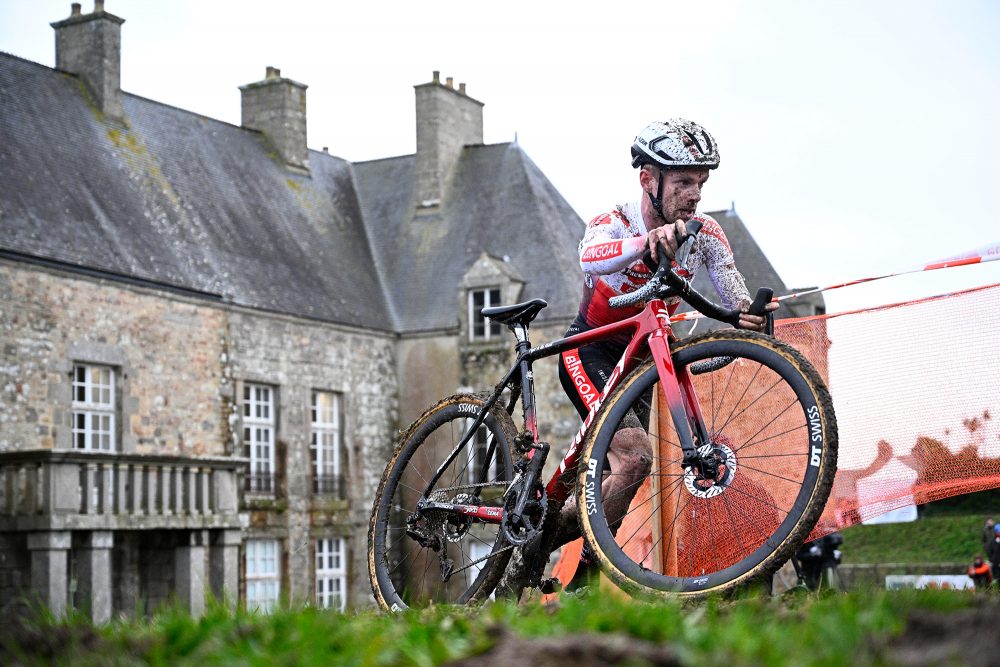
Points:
(772, 429)
(405, 573)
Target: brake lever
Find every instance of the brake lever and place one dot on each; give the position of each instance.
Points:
(759, 308)
(684, 246)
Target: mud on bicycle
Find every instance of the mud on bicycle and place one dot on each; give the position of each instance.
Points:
(744, 446)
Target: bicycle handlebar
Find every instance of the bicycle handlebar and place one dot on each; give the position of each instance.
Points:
(668, 277)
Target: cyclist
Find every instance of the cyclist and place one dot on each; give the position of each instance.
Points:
(674, 159)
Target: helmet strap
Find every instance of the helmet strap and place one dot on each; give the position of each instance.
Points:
(657, 201)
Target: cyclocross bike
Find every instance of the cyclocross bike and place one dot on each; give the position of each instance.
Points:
(744, 446)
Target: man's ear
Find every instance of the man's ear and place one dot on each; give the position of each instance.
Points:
(647, 179)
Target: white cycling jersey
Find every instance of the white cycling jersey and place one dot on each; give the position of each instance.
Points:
(611, 257)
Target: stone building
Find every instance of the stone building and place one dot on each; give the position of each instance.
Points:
(210, 334)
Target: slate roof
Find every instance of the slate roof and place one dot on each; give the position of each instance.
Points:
(188, 202)
(178, 199)
(497, 202)
(183, 201)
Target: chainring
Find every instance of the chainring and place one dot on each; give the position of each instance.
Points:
(531, 521)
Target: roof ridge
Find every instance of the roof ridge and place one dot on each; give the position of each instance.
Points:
(14, 56)
(380, 269)
(383, 159)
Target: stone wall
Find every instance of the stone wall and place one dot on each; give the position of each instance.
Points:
(297, 357)
(180, 367)
(167, 352)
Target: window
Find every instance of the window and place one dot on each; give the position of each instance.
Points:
(477, 455)
(479, 327)
(258, 436)
(263, 579)
(325, 444)
(93, 407)
(478, 550)
(331, 574)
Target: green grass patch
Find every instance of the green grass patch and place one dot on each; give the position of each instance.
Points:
(798, 629)
(981, 504)
(934, 539)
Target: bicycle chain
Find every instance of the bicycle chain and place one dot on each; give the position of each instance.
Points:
(465, 487)
(478, 485)
(480, 560)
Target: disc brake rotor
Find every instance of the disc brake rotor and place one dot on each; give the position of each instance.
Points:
(725, 469)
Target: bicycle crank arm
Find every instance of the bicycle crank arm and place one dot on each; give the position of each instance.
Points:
(531, 477)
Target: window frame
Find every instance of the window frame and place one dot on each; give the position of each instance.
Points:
(257, 580)
(92, 410)
(260, 452)
(325, 438)
(332, 574)
(491, 329)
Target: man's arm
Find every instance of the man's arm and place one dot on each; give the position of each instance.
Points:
(608, 246)
(726, 278)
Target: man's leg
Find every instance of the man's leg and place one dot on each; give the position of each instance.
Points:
(631, 457)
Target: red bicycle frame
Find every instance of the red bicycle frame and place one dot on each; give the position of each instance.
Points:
(650, 330)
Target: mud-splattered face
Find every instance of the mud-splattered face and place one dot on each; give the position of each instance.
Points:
(681, 190)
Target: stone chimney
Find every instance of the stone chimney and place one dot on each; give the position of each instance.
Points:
(90, 46)
(277, 107)
(447, 119)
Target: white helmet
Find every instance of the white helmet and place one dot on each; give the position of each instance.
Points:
(675, 143)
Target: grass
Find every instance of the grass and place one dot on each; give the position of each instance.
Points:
(931, 539)
(800, 628)
(948, 531)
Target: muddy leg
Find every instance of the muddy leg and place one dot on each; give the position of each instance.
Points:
(631, 457)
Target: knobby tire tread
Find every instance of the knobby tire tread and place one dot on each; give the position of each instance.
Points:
(493, 567)
(809, 515)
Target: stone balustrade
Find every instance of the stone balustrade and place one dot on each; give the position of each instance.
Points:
(60, 489)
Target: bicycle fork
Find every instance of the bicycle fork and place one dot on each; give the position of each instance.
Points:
(685, 411)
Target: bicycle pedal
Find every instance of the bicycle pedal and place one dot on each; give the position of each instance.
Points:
(550, 585)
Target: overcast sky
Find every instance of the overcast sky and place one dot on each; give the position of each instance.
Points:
(857, 137)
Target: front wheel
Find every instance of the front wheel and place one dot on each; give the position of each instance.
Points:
(773, 437)
(416, 557)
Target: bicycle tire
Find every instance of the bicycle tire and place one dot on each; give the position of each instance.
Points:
(700, 537)
(405, 574)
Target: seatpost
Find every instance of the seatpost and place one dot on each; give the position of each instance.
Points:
(527, 380)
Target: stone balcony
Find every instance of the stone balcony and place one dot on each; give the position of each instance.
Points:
(46, 489)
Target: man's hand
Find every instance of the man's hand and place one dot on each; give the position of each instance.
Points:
(755, 322)
(666, 237)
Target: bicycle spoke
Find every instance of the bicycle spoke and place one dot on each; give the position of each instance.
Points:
(773, 419)
(735, 529)
(663, 535)
(770, 474)
(753, 402)
(771, 456)
(711, 534)
(745, 390)
(725, 391)
(648, 500)
(772, 437)
(760, 500)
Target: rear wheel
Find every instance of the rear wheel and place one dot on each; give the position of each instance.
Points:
(773, 440)
(417, 558)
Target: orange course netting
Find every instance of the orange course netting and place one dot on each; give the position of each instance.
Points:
(915, 391)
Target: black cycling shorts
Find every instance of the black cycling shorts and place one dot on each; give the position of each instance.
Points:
(584, 372)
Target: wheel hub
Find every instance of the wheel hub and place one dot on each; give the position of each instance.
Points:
(713, 473)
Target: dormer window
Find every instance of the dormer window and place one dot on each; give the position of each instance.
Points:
(481, 328)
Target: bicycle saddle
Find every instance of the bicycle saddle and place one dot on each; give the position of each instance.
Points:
(518, 313)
